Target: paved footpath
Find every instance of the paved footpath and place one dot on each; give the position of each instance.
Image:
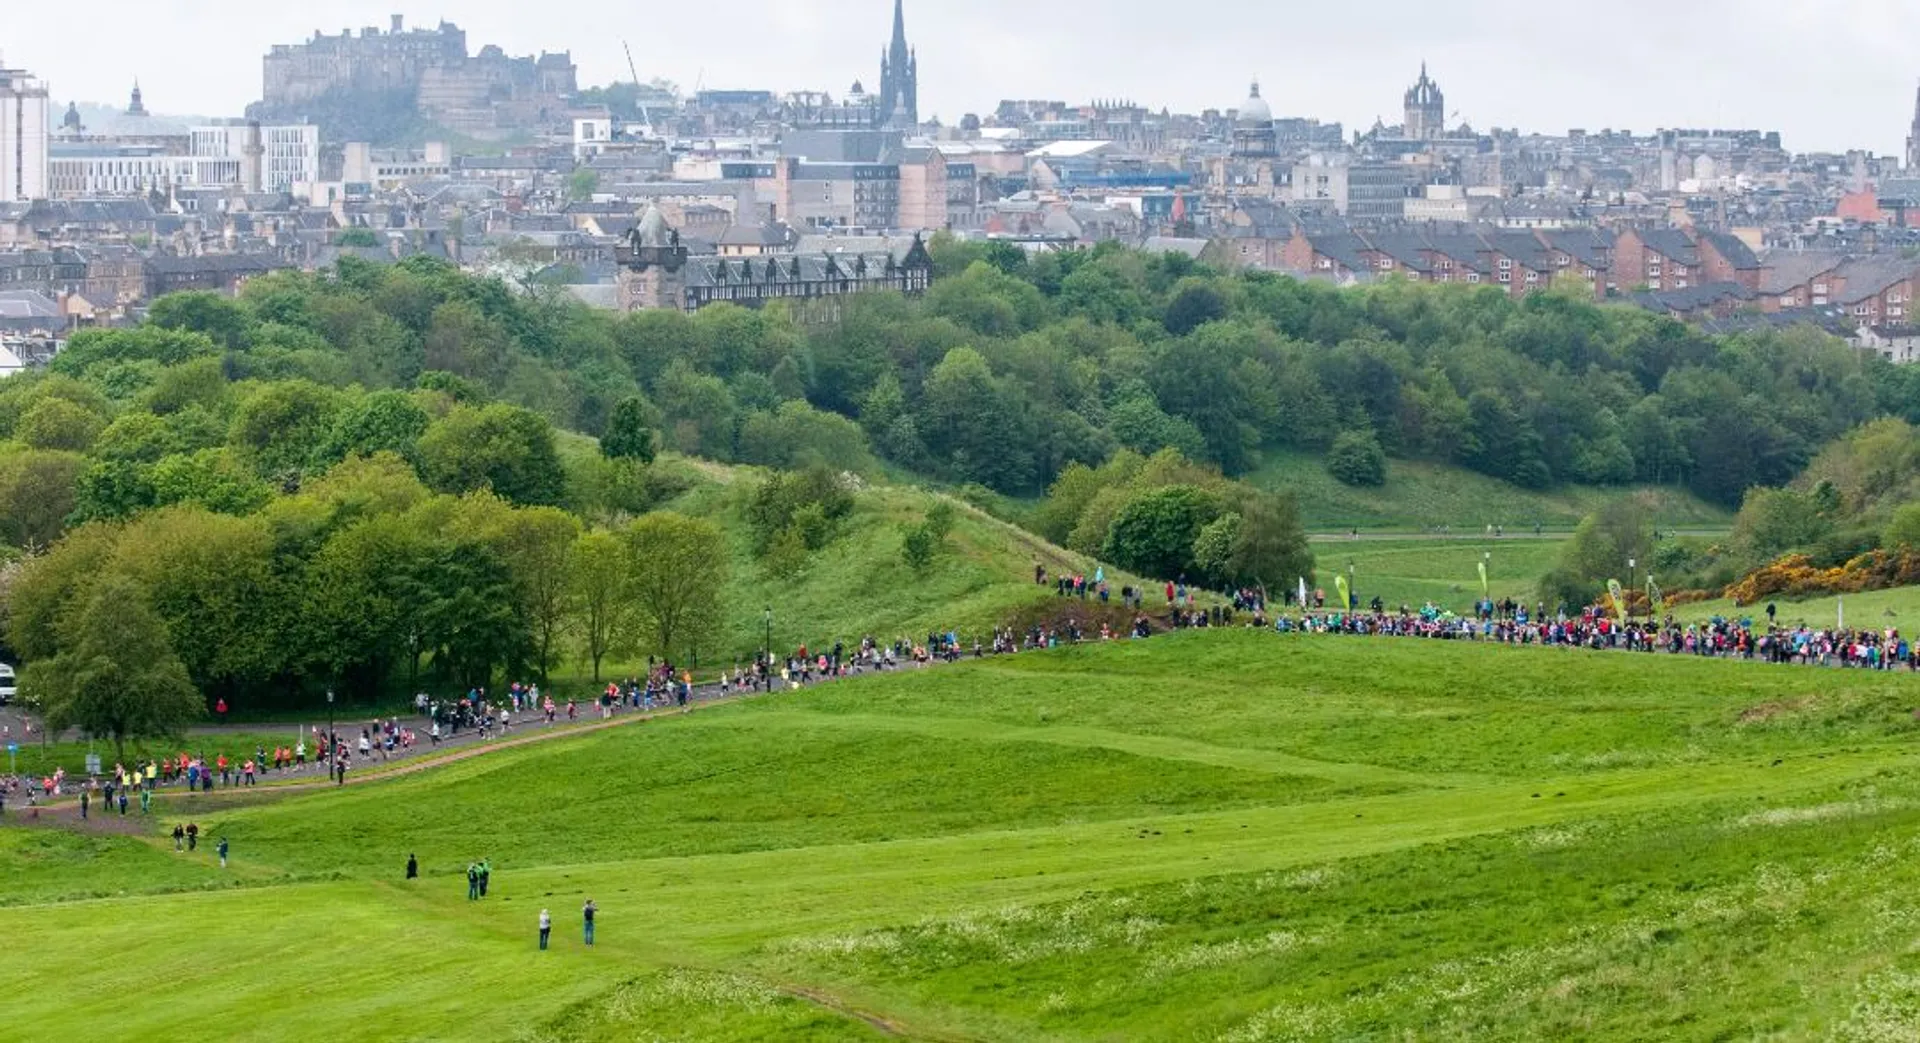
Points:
(65, 809)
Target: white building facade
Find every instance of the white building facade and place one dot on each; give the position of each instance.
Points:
(289, 155)
(23, 136)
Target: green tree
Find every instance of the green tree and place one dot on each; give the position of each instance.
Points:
(357, 238)
(382, 422)
(116, 676)
(975, 424)
(1270, 548)
(537, 543)
(499, 447)
(38, 490)
(679, 567)
(1773, 522)
(582, 184)
(1357, 459)
(277, 427)
(1903, 529)
(223, 320)
(1154, 533)
(57, 423)
(629, 432)
(598, 568)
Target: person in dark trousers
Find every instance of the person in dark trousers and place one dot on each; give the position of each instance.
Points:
(179, 837)
(193, 836)
(546, 928)
(586, 913)
(485, 872)
(473, 882)
(413, 868)
(83, 805)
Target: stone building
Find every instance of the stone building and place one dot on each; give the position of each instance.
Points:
(659, 270)
(426, 69)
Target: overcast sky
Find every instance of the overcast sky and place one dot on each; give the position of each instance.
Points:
(1829, 75)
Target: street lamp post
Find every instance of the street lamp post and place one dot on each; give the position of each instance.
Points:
(768, 649)
(1353, 596)
(333, 755)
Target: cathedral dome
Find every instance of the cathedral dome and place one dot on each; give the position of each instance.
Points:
(1255, 111)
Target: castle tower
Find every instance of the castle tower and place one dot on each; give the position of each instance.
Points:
(137, 106)
(900, 77)
(651, 265)
(1426, 109)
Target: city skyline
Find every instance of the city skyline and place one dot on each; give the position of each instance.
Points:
(1713, 64)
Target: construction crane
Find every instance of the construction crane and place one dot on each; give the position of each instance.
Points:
(646, 119)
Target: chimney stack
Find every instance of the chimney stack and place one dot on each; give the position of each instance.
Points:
(252, 160)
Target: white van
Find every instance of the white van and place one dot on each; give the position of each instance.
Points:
(6, 684)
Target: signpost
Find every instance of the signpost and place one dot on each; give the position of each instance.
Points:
(93, 764)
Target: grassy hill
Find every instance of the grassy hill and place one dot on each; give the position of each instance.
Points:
(1420, 496)
(860, 585)
(1213, 836)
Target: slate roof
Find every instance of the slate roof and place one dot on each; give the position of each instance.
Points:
(1786, 269)
(1733, 249)
(1871, 276)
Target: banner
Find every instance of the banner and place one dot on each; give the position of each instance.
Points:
(1485, 590)
(1619, 599)
(1346, 598)
(1303, 593)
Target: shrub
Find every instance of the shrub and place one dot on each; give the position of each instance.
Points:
(1357, 459)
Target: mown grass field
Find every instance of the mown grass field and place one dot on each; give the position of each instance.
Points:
(1413, 572)
(1224, 836)
(1898, 608)
(1420, 496)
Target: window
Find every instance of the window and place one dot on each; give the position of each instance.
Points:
(1819, 301)
(1896, 312)
(1473, 277)
(1506, 264)
(1506, 276)
(1653, 284)
(1788, 301)
(1532, 277)
(1861, 309)
(1386, 264)
(1820, 288)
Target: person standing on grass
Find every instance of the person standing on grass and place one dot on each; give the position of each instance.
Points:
(222, 850)
(179, 835)
(486, 871)
(123, 800)
(586, 915)
(546, 928)
(193, 836)
(413, 868)
(146, 800)
(83, 805)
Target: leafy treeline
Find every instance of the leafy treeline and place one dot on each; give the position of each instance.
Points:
(1012, 368)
